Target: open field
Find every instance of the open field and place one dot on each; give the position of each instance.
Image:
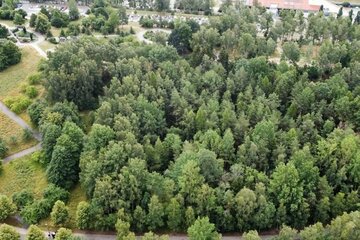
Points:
(46, 45)
(8, 23)
(9, 130)
(22, 174)
(12, 78)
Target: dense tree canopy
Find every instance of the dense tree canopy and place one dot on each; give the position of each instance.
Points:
(210, 133)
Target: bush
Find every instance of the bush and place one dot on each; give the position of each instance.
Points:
(3, 31)
(7, 207)
(53, 193)
(31, 91)
(17, 104)
(3, 148)
(33, 213)
(23, 198)
(34, 79)
(10, 54)
(52, 40)
(35, 233)
(59, 213)
(8, 233)
(38, 157)
(35, 111)
(27, 134)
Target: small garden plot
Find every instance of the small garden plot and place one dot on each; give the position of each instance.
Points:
(23, 35)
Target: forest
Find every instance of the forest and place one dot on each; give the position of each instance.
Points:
(207, 131)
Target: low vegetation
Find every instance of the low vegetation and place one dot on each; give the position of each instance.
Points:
(14, 137)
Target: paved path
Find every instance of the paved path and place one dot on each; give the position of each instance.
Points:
(140, 34)
(99, 236)
(34, 44)
(24, 125)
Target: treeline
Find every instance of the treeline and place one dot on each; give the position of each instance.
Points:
(221, 132)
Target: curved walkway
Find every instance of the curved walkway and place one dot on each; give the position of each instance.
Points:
(24, 125)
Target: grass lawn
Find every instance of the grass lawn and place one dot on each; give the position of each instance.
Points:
(12, 77)
(8, 23)
(46, 45)
(22, 174)
(9, 129)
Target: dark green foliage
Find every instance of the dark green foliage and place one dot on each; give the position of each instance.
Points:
(35, 111)
(224, 133)
(3, 31)
(3, 148)
(9, 54)
(23, 198)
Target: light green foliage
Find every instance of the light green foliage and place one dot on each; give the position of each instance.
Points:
(35, 233)
(7, 207)
(202, 229)
(8, 233)
(59, 213)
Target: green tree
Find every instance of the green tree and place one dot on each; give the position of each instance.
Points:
(32, 21)
(73, 10)
(42, 24)
(251, 235)
(291, 52)
(203, 43)
(35, 233)
(64, 234)
(155, 213)
(59, 213)
(174, 213)
(287, 192)
(7, 207)
(10, 53)
(123, 231)
(3, 148)
(18, 19)
(180, 37)
(202, 229)
(162, 5)
(84, 216)
(8, 233)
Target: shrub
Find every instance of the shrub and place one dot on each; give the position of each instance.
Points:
(3, 148)
(36, 211)
(17, 104)
(7, 207)
(38, 157)
(34, 79)
(59, 213)
(23, 198)
(35, 111)
(31, 91)
(27, 134)
(10, 54)
(53, 193)
(52, 40)
(8, 233)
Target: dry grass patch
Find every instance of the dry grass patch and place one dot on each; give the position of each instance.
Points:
(10, 131)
